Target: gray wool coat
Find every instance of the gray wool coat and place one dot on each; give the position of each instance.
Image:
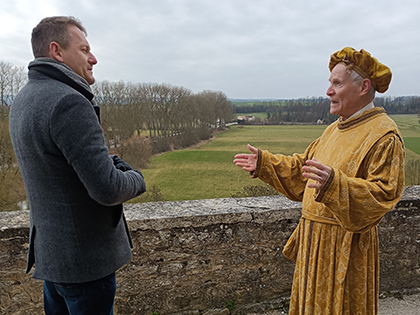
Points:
(78, 231)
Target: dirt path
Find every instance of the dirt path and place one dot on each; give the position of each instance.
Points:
(409, 305)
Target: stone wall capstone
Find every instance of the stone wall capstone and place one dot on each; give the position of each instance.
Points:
(213, 256)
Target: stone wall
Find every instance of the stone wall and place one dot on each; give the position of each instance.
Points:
(200, 256)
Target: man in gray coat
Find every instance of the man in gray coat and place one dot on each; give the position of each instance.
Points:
(75, 189)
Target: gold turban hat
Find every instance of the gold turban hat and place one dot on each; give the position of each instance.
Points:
(365, 65)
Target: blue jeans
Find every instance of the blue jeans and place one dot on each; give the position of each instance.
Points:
(95, 297)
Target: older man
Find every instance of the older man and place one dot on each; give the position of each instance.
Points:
(347, 180)
(78, 234)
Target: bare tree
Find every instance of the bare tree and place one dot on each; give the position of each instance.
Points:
(12, 191)
(171, 115)
(12, 79)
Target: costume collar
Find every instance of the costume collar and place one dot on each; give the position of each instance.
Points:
(367, 107)
(366, 114)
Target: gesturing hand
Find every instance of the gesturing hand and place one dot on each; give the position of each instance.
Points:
(248, 162)
(317, 171)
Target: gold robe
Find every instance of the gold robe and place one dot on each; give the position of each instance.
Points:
(335, 244)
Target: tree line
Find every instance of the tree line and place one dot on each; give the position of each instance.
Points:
(156, 117)
(138, 120)
(310, 110)
(143, 119)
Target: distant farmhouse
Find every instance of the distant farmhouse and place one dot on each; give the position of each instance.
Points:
(245, 119)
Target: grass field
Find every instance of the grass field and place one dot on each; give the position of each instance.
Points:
(410, 129)
(207, 171)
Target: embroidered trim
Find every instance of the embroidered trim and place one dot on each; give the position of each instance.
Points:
(325, 187)
(352, 122)
(255, 173)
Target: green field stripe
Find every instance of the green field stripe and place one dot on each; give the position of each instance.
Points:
(412, 143)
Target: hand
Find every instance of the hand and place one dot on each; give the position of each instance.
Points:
(248, 162)
(316, 171)
(121, 164)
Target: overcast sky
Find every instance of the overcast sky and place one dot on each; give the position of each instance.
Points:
(245, 48)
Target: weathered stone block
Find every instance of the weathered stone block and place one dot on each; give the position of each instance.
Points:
(192, 257)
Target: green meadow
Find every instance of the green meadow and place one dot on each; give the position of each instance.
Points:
(207, 171)
(410, 128)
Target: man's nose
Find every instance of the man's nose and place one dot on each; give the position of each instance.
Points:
(330, 91)
(92, 59)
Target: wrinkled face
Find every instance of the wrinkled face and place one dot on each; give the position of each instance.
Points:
(344, 95)
(78, 55)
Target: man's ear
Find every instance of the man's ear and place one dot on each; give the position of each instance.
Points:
(56, 52)
(365, 86)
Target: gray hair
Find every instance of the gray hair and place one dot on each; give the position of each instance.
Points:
(53, 29)
(357, 78)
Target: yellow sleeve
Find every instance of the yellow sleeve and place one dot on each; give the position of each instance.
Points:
(359, 203)
(284, 173)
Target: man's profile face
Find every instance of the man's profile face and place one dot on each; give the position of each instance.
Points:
(78, 55)
(344, 95)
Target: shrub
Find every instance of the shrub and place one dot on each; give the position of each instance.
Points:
(136, 153)
(160, 145)
(153, 194)
(185, 139)
(12, 190)
(412, 173)
(256, 191)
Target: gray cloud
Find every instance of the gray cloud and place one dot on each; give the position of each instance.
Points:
(245, 48)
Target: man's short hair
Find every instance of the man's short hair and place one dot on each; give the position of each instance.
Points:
(53, 29)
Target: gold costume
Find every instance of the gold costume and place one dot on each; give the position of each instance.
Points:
(335, 245)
